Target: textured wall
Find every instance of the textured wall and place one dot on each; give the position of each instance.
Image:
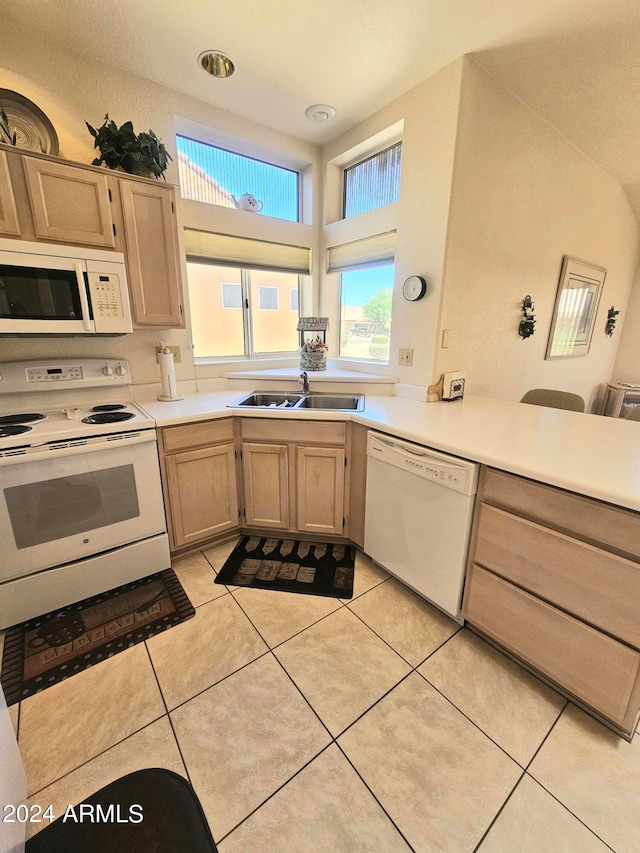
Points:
(522, 198)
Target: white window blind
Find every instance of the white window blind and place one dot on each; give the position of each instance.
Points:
(243, 252)
(360, 254)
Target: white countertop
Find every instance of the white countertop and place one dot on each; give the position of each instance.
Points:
(588, 454)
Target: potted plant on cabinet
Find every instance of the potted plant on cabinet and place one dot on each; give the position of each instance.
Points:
(121, 147)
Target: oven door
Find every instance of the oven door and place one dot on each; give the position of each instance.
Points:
(71, 500)
(43, 295)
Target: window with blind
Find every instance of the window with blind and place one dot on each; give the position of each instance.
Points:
(373, 182)
(216, 176)
(366, 290)
(258, 280)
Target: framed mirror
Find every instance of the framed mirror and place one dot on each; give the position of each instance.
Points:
(575, 310)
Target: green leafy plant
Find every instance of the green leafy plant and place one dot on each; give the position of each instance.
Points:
(135, 153)
(7, 135)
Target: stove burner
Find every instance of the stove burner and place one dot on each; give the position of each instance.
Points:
(109, 407)
(108, 417)
(9, 430)
(22, 419)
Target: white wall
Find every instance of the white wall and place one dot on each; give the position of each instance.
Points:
(70, 89)
(522, 198)
(627, 365)
(429, 113)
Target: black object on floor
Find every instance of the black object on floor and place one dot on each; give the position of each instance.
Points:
(149, 811)
(290, 565)
(50, 648)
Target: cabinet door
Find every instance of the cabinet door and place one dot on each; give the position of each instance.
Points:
(8, 213)
(69, 204)
(203, 496)
(151, 235)
(320, 489)
(265, 472)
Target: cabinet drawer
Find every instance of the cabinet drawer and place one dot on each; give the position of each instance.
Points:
(596, 585)
(302, 432)
(196, 434)
(595, 521)
(592, 666)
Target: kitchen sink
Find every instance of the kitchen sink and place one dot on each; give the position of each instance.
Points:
(334, 402)
(312, 400)
(269, 401)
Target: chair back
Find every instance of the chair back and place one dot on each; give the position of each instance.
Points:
(554, 399)
(634, 414)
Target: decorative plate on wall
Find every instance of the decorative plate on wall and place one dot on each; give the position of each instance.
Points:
(33, 129)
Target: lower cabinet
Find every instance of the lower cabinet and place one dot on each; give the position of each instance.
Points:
(293, 476)
(198, 464)
(554, 578)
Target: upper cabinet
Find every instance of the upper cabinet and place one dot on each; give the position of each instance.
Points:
(44, 198)
(69, 204)
(151, 249)
(8, 213)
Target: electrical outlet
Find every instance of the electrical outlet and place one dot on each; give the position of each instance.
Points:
(174, 350)
(405, 357)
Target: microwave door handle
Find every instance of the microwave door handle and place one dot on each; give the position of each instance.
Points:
(84, 302)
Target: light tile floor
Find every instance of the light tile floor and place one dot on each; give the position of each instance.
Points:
(312, 724)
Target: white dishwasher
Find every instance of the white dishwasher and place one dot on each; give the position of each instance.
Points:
(419, 506)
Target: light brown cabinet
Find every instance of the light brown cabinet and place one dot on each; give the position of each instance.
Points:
(198, 463)
(69, 204)
(151, 249)
(8, 213)
(293, 476)
(554, 578)
(44, 198)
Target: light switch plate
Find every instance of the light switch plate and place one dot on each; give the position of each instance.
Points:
(405, 357)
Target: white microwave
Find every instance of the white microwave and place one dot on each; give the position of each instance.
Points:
(50, 289)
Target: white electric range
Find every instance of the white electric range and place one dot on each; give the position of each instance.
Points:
(81, 506)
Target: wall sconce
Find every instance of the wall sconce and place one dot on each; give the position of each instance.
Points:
(612, 314)
(528, 324)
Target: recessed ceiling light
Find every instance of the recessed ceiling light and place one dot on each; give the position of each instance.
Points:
(320, 112)
(216, 63)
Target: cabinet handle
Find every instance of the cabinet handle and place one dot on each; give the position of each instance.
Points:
(110, 196)
(114, 229)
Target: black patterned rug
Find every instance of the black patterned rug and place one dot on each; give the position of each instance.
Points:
(50, 648)
(290, 565)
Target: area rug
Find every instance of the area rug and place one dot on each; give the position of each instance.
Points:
(46, 650)
(289, 565)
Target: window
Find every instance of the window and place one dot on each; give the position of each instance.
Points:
(231, 294)
(365, 313)
(217, 176)
(373, 182)
(222, 333)
(293, 299)
(268, 298)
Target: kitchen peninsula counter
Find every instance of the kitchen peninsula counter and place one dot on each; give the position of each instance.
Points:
(587, 454)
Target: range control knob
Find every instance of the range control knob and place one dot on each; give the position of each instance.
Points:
(107, 370)
(121, 370)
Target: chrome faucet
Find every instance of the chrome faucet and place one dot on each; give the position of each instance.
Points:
(304, 379)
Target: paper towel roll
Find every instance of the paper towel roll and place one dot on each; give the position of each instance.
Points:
(167, 375)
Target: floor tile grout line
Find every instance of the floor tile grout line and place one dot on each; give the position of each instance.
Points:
(499, 812)
(545, 738)
(477, 726)
(281, 665)
(531, 776)
(170, 721)
(359, 775)
(273, 794)
(566, 808)
(442, 645)
(93, 757)
(371, 707)
(297, 634)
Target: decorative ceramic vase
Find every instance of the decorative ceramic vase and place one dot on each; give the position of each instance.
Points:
(313, 361)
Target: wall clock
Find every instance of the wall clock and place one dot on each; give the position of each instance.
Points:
(414, 288)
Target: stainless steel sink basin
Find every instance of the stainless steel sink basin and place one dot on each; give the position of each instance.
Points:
(334, 402)
(313, 400)
(267, 401)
